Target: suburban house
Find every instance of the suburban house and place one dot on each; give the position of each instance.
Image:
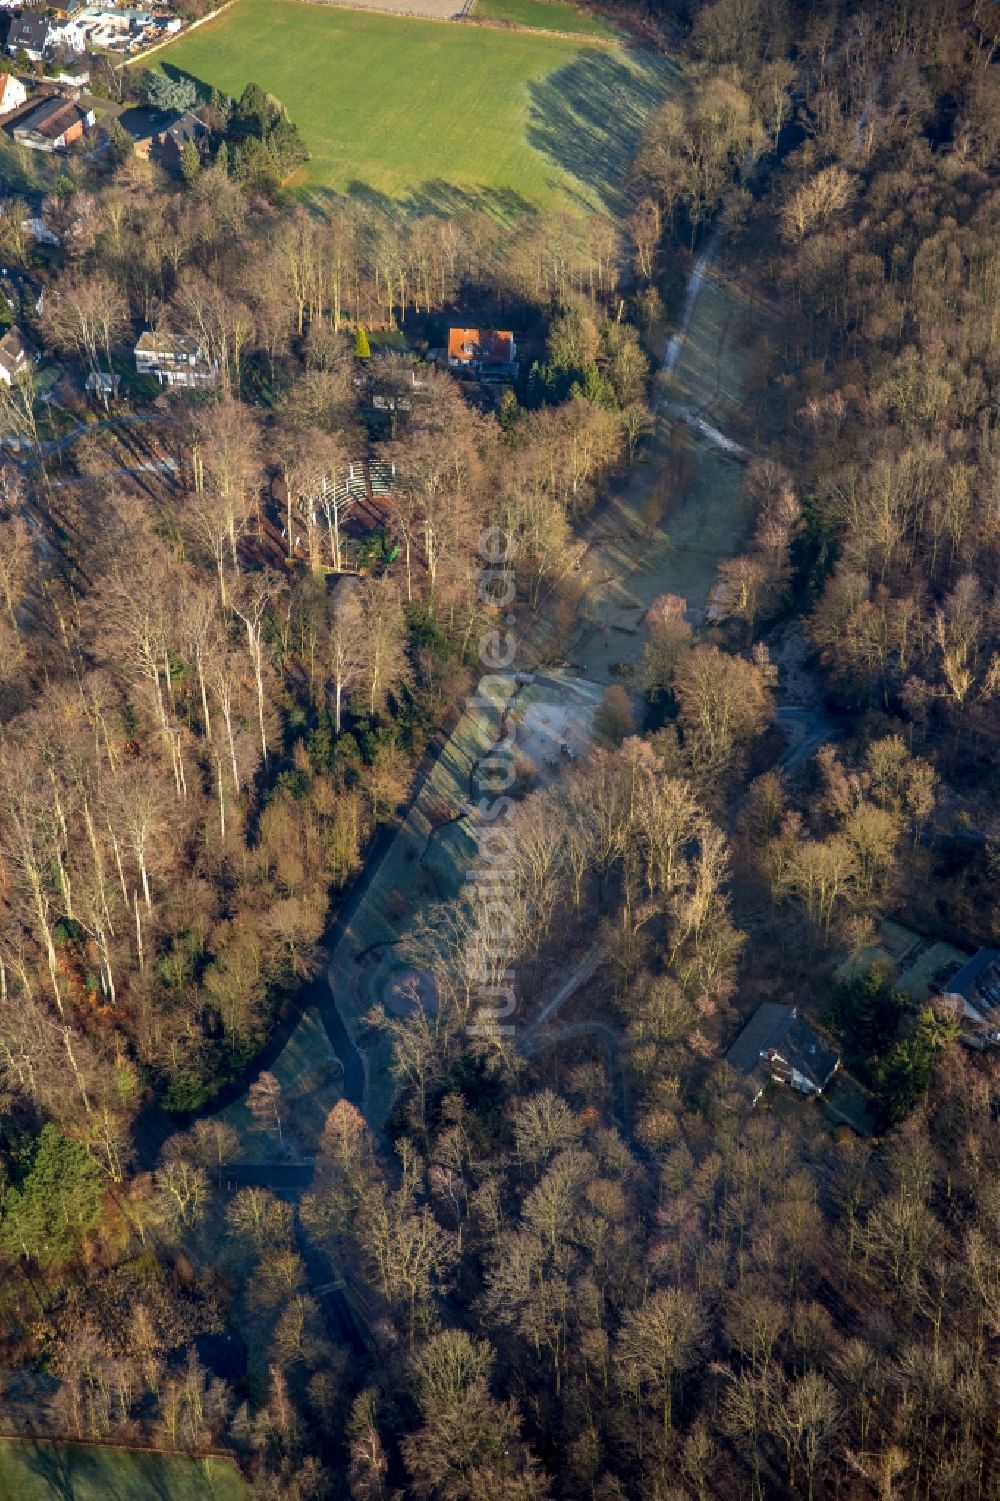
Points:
(112, 28)
(17, 356)
(53, 125)
(175, 359)
(12, 93)
(490, 352)
(31, 34)
(39, 231)
(18, 288)
(160, 137)
(777, 1044)
(974, 993)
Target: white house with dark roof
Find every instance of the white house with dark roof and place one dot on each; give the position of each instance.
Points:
(175, 359)
(17, 356)
(973, 992)
(777, 1044)
(31, 33)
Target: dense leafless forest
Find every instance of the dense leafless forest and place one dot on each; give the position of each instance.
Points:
(597, 1271)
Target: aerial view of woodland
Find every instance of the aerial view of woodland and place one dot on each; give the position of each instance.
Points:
(500, 751)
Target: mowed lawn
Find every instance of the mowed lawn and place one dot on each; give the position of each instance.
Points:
(435, 114)
(543, 15)
(82, 1472)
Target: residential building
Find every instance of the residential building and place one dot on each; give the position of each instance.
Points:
(32, 34)
(175, 359)
(53, 125)
(39, 231)
(161, 136)
(491, 352)
(17, 288)
(974, 993)
(103, 384)
(17, 356)
(777, 1044)
(12, 93)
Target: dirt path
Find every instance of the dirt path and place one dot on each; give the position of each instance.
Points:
(584, 971)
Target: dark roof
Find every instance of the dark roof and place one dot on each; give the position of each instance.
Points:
(805, 1050)
(143, 124)
(159, 124)
(14, 349)
(764, 1030)
(780, 1028)
(30, 32)
(978, 981)
(187, 127)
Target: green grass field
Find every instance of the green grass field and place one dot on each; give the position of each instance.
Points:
(434, 115)
(543, 15)
(25, 171)
(81, 1472)
(310, 1080)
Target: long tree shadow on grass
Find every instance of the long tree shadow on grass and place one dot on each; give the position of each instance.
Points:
(436, 197)
(588, 116)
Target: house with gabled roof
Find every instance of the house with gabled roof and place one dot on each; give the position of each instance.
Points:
(777, 1044)
(973, 992)
(490, 352)
(160, 136)
(53, 125)
(175, 359)
(17, 356)
(32, 34)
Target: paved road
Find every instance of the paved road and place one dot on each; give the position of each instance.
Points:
(56, 445)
